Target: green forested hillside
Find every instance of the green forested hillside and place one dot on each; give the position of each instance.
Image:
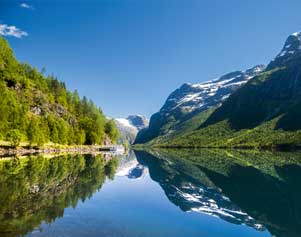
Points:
(263, 113)
(185, 107)
(38, 109)
(183, 127)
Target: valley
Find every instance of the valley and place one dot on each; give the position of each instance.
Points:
(157, 118)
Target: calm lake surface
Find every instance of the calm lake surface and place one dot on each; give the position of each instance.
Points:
(155, 193)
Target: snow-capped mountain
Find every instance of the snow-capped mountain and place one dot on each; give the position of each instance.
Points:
(290, 51)
(191, 99)
(138, 121)
(130, 126)
(274, 96)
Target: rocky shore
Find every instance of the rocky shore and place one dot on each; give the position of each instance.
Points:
(9, 151)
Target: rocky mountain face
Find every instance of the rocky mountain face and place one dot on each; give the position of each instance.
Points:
(130, 126)
(290, 52)
(191, 99)
(276, 93)
(138, 121)
(265, 112)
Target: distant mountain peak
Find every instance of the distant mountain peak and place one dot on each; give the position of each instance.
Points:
(292, 45)
(138, 121)
(256, 69)
(205, 94)
(125, 123)
(296, 34)
(191, 99)
(130, 126)
(290, 51)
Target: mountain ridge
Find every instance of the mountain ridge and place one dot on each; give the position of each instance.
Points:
(263, 112)
(130, 126)
(191, 99)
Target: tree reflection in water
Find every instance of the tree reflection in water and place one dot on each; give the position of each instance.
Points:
(35, 188)
(259, 189)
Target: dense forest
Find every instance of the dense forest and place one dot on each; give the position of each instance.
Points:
(38, 109)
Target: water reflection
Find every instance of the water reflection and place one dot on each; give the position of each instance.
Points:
(130, 167)
(261, 190)
(249, 193)
(190, 189)
(35, 188)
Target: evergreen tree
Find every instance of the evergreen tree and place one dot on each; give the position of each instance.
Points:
(43, 110)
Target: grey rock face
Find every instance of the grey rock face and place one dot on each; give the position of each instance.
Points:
(291, 51)
(138, 121)
(191, 99)
(130, 126)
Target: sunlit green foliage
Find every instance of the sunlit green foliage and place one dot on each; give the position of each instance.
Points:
(111, 130)
(43, 110)
(14, 137)
(264, 113)
(183, 127)
(221, 135)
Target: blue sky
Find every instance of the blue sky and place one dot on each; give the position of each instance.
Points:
(129, 55)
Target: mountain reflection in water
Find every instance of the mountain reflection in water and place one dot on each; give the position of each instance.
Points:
(189, 191)
(130, 167)
(259, 189)
(153, 193)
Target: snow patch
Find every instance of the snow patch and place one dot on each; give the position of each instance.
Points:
(296, 34)
(125, 123)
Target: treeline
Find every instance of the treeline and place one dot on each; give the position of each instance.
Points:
(39, 109)
(221, 135)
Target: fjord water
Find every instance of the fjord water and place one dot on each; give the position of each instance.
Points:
(153, 193)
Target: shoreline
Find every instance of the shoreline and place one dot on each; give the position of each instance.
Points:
(21, 151)
(260, 148)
